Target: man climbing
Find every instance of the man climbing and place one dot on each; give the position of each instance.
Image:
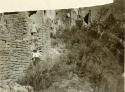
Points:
(36, 57)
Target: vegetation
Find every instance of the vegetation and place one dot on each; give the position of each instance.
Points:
(94, 54)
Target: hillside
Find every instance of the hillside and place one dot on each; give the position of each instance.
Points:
(58, 51)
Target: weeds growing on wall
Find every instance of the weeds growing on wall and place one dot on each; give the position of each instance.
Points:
(95, 54)
(98, 53)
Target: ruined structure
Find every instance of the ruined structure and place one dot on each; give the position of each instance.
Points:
(14, 51)
(17, 42)
(20, 34)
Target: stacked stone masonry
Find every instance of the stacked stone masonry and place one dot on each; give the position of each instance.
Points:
(15, 50)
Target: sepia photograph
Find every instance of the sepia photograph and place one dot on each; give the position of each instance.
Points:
(63, 50)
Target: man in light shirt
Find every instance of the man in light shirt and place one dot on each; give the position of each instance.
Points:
(36, 57)
(34, 28)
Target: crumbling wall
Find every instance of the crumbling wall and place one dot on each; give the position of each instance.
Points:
(118, 9)
(41, 38)
(16, 42)
(14, 50)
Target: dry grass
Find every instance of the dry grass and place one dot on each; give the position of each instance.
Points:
(100, 59)
(97, 59)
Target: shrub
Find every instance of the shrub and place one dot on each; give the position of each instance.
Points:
(37, 78)
(94, 55)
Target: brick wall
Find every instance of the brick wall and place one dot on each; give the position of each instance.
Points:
(16, 42)
(14, 51)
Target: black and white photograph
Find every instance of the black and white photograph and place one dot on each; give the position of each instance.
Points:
(63, 50)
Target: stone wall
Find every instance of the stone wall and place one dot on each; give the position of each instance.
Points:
(42, 36)
(118, 9)
(14, 50)
(16, 42)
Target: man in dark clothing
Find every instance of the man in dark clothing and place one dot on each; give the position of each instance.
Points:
(87, 18)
